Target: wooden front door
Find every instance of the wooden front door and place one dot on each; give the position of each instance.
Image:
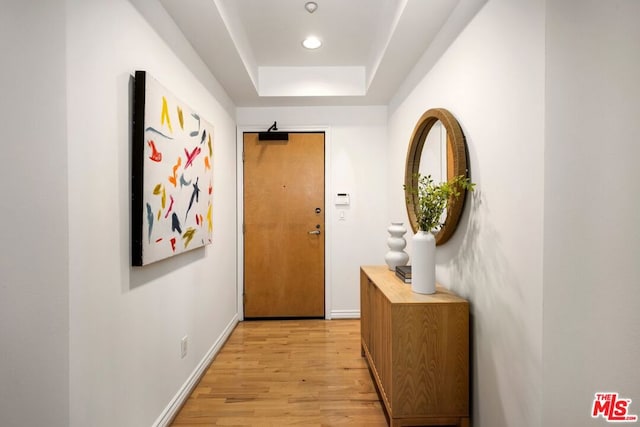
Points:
(284, 226)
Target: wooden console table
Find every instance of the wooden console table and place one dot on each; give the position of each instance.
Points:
(417, 347)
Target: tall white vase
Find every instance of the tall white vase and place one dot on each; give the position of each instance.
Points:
(396, 242)
(423, 265)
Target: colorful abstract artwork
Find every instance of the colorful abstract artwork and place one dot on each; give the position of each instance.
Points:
(172, 175)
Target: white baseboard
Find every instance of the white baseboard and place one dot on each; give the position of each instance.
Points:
(169, 413)
(345, 314)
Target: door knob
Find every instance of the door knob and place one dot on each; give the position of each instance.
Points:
(314, 232)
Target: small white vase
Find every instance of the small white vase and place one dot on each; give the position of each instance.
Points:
(396, 242)
(423, 266)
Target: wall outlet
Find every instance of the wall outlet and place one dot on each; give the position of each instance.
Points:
(183, 346)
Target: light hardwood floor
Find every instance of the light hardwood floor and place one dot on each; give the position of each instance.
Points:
(289, 372)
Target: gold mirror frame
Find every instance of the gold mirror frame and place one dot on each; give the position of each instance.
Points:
(456, 148)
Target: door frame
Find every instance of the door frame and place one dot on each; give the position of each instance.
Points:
(328, 212)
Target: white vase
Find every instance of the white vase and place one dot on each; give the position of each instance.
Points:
(396, 242)
(423, 265)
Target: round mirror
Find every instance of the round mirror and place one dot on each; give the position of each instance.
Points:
(437, 148)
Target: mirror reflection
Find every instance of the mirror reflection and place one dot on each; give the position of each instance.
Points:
(434, 158)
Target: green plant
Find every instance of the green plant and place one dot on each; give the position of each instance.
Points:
(431, 199)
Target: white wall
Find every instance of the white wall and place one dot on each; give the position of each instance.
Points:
(126, 323)
(356, 140)
(492, 79)
(592, 208)
(34, 312)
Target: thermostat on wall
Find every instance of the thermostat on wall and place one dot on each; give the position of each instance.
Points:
(342, 199)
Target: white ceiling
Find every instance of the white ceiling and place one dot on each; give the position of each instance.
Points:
(253, 47)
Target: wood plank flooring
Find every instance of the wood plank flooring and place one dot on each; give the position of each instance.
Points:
(287, 372)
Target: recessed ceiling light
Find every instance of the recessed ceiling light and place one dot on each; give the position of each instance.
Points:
(311, 42)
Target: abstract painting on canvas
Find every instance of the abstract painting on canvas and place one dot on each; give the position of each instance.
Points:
(172, 175)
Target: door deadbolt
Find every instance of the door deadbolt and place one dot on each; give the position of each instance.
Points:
(318, 210)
